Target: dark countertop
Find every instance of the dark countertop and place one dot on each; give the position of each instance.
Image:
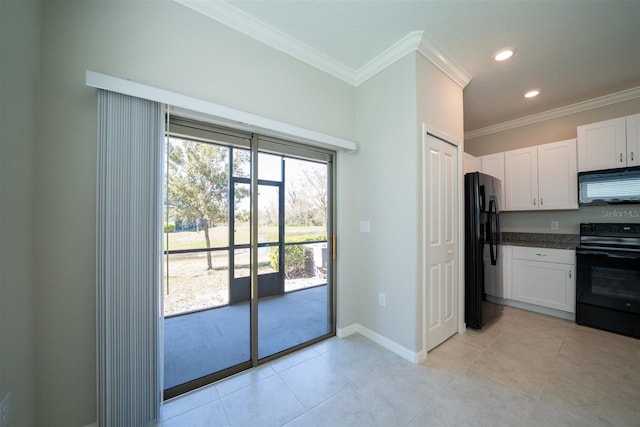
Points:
(541, 240)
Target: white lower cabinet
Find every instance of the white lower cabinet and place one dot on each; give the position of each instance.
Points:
(544, 277)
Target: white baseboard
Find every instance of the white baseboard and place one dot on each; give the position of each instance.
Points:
(385, 342)
(349, 330)
(537, 309)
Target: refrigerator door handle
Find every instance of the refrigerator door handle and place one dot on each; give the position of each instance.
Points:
(493, 244)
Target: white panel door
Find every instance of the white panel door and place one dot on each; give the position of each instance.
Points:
(557, 175)
(441, 284)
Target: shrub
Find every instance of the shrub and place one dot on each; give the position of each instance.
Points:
(169, 228)
(295, 256)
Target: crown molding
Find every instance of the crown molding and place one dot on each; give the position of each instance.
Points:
(407, 44)
(240, 21)
(243, 22)
(602, 101)
(448, 66)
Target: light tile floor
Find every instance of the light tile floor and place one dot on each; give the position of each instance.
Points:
(526, 369)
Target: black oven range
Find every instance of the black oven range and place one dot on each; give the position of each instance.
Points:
(608, 277)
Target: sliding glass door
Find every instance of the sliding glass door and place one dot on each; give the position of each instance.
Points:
(248, 265)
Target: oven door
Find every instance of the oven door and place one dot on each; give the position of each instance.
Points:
(608, 290)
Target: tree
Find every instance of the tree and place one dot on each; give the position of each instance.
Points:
(307, 196)
(198, 184)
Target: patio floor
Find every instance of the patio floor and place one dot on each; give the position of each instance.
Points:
(200, 343)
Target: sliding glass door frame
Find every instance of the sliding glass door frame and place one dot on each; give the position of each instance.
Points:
(260, 144)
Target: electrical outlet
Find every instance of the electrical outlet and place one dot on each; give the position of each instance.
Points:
(5, 411)
(555, 225)
(382, 299)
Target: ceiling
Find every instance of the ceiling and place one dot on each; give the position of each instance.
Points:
(572, 50)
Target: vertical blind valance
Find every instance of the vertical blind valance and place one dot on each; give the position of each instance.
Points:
(129, 198)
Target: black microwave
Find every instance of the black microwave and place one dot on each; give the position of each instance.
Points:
(609, 187)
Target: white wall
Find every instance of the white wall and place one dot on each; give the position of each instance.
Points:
(19, 59)
(391, 108)
(385, 191)
(158, 43)
(440, 107)
(569, 221)
(440, 103)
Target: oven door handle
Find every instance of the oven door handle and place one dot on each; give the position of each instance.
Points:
(608, 255)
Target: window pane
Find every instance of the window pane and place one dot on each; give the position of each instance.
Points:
(305, 265)
(190, 285)
(268, 213)
(241, 163)
(242, 263)
(197, 193)
(268, 260)
(269, 167)
(305, 200)
(241, 215)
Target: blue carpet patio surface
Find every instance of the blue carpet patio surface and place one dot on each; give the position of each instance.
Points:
(204, 342)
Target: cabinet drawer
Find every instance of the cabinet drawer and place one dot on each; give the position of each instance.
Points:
(562, 256)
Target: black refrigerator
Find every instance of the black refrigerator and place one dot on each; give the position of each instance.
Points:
(483, 255)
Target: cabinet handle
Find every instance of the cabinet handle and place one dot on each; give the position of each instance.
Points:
(534, 202)
(631, 155)
(541, 201)
(569, 274)
(541, 254)
(621, 158)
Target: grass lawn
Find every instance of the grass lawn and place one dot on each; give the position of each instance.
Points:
(220, 236)
(188, 285)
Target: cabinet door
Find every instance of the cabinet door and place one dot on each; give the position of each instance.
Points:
(544, 283)
(557, 175)
(493, 164)
(470, 163)
(602, 145)
(521, 179)
(633, 140)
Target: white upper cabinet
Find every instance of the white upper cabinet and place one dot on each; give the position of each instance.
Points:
(493, 164)
(542, 177)
(521, 179)
(609, 144)
(470, 163)
(557, 175)
(633, 140)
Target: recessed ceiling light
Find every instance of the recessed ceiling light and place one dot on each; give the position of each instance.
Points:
(532, 93)
(504, 54)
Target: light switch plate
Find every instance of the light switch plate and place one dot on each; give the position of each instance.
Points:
(365, 226)
(555, 225)
(382, 299)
